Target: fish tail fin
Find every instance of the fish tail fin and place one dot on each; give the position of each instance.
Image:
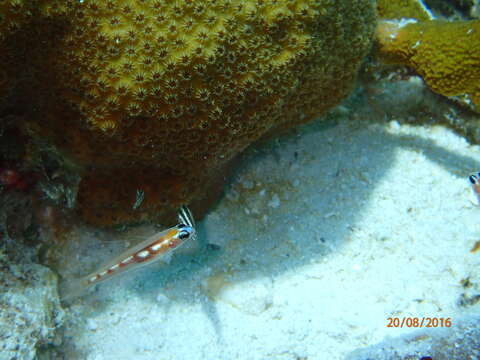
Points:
(70, 289)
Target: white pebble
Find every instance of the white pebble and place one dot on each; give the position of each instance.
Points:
(329, 215)
(92, 325)
(274, 202)
(247, 184)
(162, 299)
(232, 195)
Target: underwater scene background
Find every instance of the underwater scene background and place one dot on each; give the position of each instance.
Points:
(292, 180)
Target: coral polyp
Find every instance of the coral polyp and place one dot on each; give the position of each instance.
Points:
(157, 92)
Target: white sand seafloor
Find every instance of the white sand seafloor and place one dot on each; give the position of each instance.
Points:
(323, 235)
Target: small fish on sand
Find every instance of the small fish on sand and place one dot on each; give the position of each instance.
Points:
(475, 181)
(157, 247)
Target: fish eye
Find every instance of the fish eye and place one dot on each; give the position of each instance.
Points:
(184, 234)
(184, 231)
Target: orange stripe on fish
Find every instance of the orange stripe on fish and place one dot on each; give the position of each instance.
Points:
(156, 247)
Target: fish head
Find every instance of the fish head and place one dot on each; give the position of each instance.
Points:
(474, 179)
(185, 232)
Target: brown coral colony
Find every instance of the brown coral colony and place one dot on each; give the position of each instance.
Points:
(161, 95)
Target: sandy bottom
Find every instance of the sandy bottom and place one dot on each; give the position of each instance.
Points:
(322, 236)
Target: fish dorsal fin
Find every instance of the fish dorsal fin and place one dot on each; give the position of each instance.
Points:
(185, 216)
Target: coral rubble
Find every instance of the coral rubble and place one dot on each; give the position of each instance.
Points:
(160, 96)
(31, 310)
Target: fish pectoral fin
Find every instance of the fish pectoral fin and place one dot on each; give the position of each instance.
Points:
(167, 258)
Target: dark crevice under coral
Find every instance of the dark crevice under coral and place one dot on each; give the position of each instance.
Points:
(453, 9)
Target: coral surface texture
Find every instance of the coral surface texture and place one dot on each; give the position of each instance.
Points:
(157, 97)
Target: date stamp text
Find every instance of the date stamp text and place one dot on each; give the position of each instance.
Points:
(418, 322)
